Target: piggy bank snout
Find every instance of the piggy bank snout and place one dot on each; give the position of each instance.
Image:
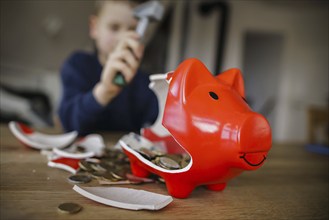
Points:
(255, 134)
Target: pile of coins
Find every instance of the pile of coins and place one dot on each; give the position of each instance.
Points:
(113, 167)
(166, 161)
(154, 153)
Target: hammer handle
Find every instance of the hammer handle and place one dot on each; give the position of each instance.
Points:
(119, 79)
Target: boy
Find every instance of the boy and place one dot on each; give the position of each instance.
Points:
(90, 100)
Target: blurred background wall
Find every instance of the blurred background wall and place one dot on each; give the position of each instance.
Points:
(301, 67)
(280, 46)
(36, 38)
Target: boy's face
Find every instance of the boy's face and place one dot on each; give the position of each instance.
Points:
(114, 19)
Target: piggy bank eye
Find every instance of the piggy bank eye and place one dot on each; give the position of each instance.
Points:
(213, 95)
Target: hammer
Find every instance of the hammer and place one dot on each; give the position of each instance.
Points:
(146, 12)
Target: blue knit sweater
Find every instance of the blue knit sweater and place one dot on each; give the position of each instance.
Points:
(134, 107)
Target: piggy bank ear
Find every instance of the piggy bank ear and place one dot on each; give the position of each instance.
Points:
(189, 75)
(233, 78)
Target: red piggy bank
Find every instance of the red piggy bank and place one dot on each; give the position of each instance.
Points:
(210, 119)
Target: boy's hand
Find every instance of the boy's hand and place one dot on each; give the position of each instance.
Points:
(125, 59)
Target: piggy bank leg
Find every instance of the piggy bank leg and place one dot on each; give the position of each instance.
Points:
(139, 171)
(216, 187)
(178, 189)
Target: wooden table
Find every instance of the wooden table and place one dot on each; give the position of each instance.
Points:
(293, 184)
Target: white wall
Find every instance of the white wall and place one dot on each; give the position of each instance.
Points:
(304, 76)
(41, 34)
(36, 38)
(201, 35)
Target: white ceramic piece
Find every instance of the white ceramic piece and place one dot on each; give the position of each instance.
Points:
(93, 145)
(125, 198)
(159, 85)
(40, 141)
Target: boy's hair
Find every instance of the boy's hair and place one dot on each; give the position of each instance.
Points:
(99, 4)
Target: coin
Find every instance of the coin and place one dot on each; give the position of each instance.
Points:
(79, 179)
(158, 153)
(92, 160)
(96, 174)
(185, 160)
(69, 208)
(146, 153)
(119, 175)
(183, 163)
(175, 157)
(109, 177)
(167, 163)
(97, 167)
(85, 165)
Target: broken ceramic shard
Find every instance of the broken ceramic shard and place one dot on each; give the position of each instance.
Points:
(38, 140)
(156, 132)
(88, 146)
(125, 198)
(69, 164)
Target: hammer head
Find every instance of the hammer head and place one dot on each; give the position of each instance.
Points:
(151, 10)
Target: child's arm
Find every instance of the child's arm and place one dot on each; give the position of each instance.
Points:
(125, 59)
(81, 104)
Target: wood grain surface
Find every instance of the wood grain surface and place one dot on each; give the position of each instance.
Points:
(293, 184)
